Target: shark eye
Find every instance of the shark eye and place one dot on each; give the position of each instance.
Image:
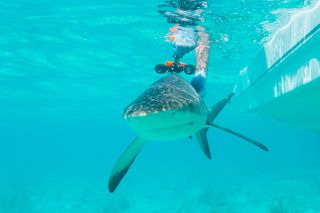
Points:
(191, 123)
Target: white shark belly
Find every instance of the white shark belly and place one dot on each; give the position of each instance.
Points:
(169, 125)
(170, 133)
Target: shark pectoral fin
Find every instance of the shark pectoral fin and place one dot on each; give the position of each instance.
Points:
(250, 140)
(123, 164)
(203, 142)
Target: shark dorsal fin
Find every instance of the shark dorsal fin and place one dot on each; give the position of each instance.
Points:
(215, 110)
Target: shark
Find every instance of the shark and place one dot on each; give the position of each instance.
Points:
(169, 109)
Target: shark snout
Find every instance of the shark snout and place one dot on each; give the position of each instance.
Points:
(133, 111)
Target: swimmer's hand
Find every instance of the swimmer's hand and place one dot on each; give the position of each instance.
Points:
(180, 51)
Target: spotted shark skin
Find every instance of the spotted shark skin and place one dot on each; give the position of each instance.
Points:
(168, 93)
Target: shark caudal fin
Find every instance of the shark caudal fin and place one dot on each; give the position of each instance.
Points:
(125, 161)
(214, 111)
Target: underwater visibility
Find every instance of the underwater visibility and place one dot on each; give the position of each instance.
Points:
(160, 106)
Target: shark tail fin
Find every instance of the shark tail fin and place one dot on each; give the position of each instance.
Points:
(214, 111)
(125, 161)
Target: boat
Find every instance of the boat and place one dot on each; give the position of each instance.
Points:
(283, 80)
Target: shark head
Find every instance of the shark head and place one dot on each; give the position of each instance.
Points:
(169, 109)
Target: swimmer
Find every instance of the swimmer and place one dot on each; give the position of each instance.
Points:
(187, 35)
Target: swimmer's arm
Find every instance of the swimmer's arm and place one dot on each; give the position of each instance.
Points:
(202, 53)
(202, 58)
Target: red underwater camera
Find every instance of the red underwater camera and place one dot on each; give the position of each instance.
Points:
(171, 67)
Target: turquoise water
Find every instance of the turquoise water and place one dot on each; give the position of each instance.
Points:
(69, 68)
